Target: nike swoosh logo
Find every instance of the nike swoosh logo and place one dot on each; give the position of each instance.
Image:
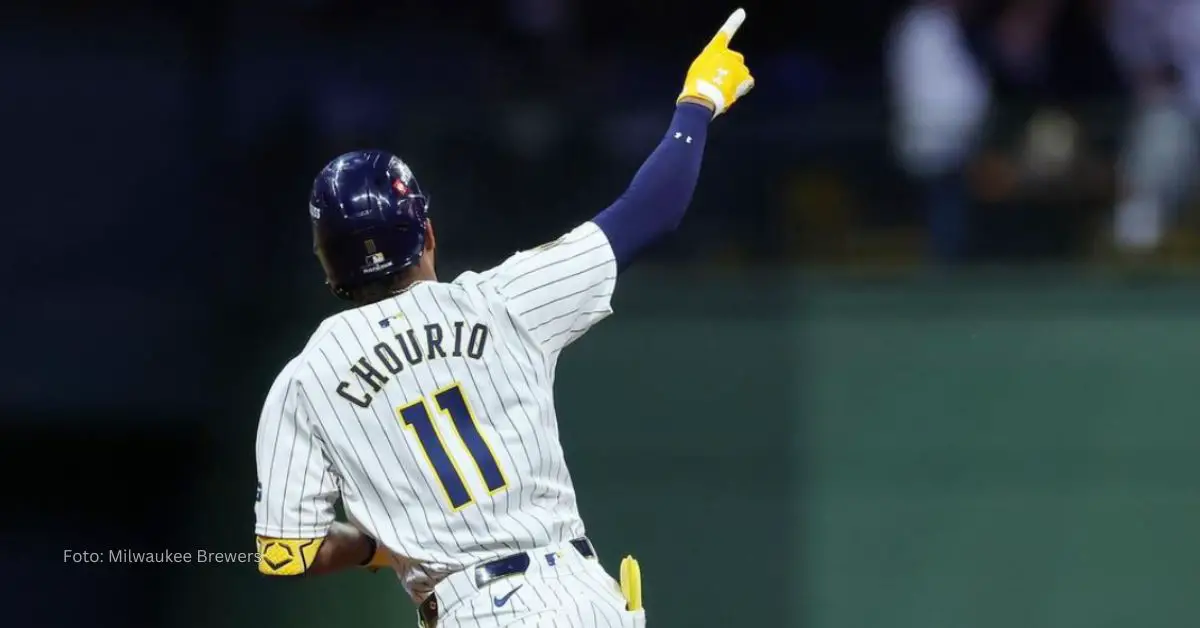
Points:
(501, 601)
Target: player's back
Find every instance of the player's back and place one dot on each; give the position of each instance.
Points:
(430, 413)
(437, 408)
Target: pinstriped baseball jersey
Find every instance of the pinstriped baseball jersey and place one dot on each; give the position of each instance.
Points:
(431, 414)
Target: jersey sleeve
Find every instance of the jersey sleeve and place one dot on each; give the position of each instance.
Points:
(297, 487)
(557, 291)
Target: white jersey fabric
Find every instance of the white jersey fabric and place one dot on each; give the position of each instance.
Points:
(431, 415)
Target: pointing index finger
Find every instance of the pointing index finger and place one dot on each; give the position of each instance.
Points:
(730, 27)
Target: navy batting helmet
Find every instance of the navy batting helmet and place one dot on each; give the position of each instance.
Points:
(369, 218)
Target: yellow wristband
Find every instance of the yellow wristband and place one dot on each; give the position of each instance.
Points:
(382, 558)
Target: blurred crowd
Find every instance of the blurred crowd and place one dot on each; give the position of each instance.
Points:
(881, 131)
(1068, 75)
(987, 130)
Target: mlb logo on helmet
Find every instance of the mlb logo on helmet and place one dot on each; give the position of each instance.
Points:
(375, 263)
(400, 187)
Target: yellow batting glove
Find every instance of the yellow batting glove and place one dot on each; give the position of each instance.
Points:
(719, 75)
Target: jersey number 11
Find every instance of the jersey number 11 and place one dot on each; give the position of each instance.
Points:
(452, 402)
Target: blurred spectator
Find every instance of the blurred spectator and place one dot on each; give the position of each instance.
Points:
(1018, 39)
(1031, 174)
(940, 96)
(1158, 45)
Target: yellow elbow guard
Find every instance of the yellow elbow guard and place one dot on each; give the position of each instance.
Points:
(286, 557)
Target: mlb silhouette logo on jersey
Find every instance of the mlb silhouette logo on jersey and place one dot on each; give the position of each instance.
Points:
(384, 323)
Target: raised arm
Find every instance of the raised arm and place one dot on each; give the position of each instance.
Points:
(557, 291)
(659, 195)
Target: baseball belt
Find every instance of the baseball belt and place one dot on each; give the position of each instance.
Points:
(427, 612)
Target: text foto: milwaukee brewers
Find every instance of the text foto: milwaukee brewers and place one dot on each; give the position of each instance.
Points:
(164, 557)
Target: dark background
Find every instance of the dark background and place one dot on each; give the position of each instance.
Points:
(806, 412)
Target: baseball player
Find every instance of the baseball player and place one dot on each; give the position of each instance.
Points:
(428, 409)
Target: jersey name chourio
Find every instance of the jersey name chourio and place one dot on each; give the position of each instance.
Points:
(369, 371)
(431, 415)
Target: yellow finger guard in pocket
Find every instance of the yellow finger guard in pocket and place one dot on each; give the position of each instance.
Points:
(631, 583)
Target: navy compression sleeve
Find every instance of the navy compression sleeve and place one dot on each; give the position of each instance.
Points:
(660, 192)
